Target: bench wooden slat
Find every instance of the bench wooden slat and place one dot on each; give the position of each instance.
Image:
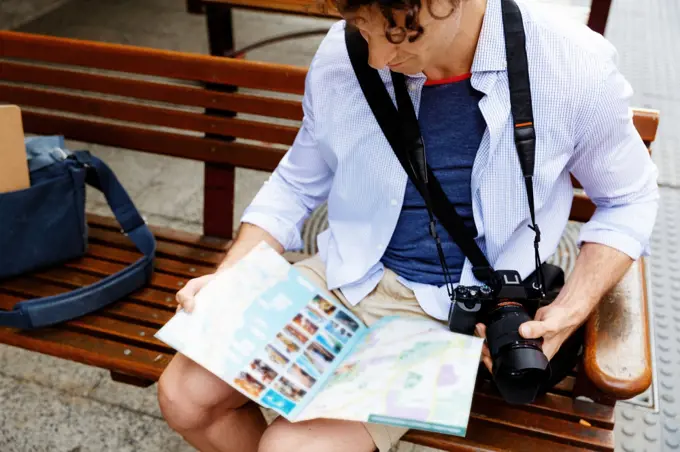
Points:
(547, 427)
(557, 403)
(564, 387)
(92, 335)
(26, 287)
(149, 90)
(147, 114)
(90, 266)
(560, 406)
(165, 234)
(169, 250)
(486, 436)
(250, 156)
(80, 347)
(156, 62)
(135, 313)
(86, 271)
(120, 331)
(72, 279)
(164, 265)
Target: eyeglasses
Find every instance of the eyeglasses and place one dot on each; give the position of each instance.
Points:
(397, 35)
(412, 29)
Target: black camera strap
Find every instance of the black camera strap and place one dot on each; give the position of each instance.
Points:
(400, 127)
(522, 113)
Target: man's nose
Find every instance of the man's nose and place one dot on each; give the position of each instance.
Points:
(379, 54)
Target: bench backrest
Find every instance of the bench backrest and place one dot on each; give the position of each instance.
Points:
(314, 8)
(171, 103)
(149, 100)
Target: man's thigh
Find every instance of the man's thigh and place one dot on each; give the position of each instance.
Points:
(326, 435)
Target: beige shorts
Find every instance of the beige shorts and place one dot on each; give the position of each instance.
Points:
(390, 297)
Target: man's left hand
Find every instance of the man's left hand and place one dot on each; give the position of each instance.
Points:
(554, 323)
(598, 268)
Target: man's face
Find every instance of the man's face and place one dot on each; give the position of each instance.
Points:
(409, 57)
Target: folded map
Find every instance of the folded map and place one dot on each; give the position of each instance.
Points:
(265, 329)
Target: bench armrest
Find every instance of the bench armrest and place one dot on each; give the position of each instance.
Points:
(618, 357)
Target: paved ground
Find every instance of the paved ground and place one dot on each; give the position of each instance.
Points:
(53, 405)
(14, 13)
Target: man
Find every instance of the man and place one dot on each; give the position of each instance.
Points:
(377, 256)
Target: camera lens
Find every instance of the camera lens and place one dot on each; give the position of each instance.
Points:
(520, 367)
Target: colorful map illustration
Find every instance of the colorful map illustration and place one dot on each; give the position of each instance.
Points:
(405, 369)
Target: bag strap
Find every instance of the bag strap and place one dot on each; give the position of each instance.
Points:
(402, 130)
(50, 310)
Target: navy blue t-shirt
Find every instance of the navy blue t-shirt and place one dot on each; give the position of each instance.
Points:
(452, 127)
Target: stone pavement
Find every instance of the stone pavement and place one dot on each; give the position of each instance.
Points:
(48, 404)
(14, 13)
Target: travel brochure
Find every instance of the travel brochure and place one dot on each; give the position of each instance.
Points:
(265, 329)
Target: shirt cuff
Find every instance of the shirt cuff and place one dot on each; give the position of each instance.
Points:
(288, 236)
(597, 233)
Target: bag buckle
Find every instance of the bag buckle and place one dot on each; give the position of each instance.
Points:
(83, 158)
(127, 234)
(62, 153)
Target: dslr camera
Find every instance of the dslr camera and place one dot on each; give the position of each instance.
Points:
(520, 367)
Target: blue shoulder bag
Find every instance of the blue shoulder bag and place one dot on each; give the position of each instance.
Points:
(46, 224)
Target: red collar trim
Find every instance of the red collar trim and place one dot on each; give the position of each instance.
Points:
(454, 79)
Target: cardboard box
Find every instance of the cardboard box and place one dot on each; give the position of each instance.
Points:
(13, 163)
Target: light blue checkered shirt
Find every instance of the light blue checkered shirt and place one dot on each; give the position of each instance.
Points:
(583, 124)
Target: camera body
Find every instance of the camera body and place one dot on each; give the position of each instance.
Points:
(474, 304)
(519, 365)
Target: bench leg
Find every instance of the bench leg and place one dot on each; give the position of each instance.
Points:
(218, 205)
(130, 380)
(599, 13)
(195, 6)
(220, 28)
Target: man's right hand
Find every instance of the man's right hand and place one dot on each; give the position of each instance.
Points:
(186, 297)
(248, 237)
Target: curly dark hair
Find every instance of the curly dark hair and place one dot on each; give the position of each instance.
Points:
(395, 33)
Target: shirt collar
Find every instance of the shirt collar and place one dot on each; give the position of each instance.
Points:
(490, 53)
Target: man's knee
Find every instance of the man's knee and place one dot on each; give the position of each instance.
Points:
(180, 412)
(188, 395)
(279, 437)
(316, 435)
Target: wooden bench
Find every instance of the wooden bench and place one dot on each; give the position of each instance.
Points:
(220, 30)
(102, 93)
